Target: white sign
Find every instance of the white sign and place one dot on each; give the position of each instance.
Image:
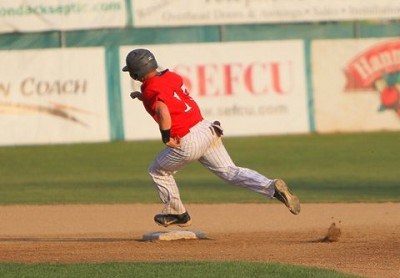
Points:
(43, 15)
(211, 12)
(356, 84)
(53, 96)
(253, 88)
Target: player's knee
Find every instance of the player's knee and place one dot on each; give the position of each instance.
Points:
(228, 173)
(154, 169)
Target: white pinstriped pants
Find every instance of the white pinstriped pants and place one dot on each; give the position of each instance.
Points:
(201, 144)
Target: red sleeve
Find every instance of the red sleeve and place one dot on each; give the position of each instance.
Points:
(150, 98)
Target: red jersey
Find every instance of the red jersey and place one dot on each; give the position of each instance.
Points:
(168, 88)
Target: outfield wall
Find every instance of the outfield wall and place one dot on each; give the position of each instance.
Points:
(69, 95)
(62, 82)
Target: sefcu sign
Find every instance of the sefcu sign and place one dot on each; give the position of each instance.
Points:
(249, 78)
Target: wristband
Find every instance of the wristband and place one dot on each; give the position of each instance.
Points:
(165, 135)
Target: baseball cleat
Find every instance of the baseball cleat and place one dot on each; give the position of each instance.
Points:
(182, 220)
(283, 194)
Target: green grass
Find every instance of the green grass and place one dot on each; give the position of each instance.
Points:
(166, 269)
(320, 168)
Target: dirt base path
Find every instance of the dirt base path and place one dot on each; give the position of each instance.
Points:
(368, 243)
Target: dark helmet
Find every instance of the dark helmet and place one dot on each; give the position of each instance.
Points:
(140, 62)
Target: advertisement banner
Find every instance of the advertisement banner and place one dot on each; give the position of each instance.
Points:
(45, 15)
(53, 96)
(212, 12)
(253, 88)
(356, 84)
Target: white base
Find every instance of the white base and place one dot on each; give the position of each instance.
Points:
(173, 235)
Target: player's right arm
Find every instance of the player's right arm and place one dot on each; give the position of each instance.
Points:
(164, 122)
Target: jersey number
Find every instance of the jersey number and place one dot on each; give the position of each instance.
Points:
(188, 108)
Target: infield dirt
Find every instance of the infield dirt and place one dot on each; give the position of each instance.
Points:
(367, 239)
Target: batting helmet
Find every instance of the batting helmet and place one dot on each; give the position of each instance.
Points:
(140, 62)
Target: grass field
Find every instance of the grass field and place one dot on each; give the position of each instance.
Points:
(167, 269)
(328, 168)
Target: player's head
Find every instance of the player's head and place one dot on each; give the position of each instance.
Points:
(140, 62)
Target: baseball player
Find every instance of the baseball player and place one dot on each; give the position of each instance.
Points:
(189, 137)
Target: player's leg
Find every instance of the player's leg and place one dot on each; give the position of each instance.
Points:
(171, 160)
(174, 212)
(162, 170)
(218, 160)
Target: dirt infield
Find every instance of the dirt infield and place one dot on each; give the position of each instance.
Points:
(367, 244)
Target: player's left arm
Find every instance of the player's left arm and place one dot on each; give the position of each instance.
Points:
(136, 94)
(164, 122)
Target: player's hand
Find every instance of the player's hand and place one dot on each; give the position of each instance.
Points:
(174, 142)
(136, 94)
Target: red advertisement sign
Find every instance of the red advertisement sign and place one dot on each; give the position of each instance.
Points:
(377, 68)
